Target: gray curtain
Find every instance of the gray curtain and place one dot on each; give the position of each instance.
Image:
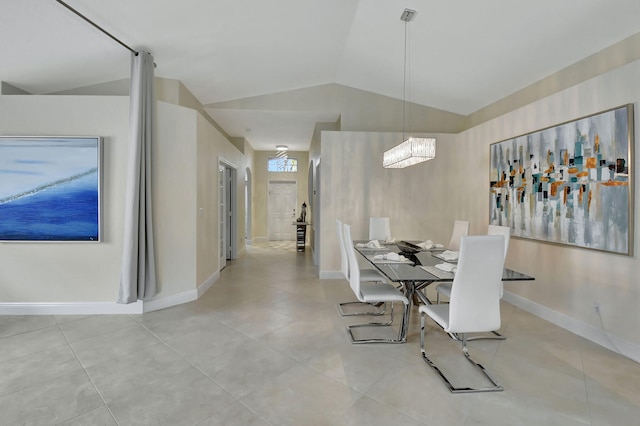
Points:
(138, 278)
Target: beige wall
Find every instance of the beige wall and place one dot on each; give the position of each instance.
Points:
(355, 186)
(315, 151)
(249, 156)
(69, 272)
(261, 184)
(185, 155)
(174, 199)
(212, 148)
(568, 279)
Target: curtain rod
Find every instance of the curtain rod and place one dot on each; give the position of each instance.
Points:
(97, 26)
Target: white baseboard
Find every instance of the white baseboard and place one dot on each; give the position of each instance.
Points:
(71, 308)
(260, 239)
(180, 298)
(169, 301)
(596, 335)
(108, 308)
(331, 275)
(206, 285)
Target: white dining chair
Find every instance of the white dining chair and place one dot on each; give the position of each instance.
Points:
(372, 293)
(501, 230)
(475, 301)
(444, 289)
(460, 229)
(366, 275)
(379, 228)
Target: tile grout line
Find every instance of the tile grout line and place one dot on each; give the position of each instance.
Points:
(384, 403)
(202, 372)
(586, 387)
(88, 377)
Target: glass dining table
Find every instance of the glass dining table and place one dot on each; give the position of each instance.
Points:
(417, 272)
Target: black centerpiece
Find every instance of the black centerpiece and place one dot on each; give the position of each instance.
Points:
(406, 247)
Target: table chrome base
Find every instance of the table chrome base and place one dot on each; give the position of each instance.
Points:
(377, 309)
(402, 335)
(496, 386)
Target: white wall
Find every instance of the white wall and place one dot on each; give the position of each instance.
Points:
(423, 201)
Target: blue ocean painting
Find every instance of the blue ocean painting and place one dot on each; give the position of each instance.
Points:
(49, 189)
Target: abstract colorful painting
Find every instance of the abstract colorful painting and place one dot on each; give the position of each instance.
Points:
(568, 184)
(50, 188)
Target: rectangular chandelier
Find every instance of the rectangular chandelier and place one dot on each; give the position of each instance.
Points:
(410, 152)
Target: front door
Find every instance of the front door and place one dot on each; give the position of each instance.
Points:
(281, 210)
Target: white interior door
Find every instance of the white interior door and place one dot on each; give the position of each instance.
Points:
(281, 210)
(222, 215)
(317, 205)
(248, 197)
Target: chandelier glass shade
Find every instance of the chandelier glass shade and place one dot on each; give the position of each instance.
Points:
(410, 152)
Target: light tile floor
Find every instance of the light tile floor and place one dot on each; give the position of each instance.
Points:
(266, 346)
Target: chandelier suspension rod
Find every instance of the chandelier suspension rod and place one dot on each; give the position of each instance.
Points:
(404, 81)
(406, 17)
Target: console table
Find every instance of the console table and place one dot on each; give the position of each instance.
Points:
(301, 234)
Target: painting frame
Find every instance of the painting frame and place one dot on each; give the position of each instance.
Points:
(51, 189)
(570, 184)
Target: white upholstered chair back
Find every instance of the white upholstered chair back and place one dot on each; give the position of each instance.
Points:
(501, 230)
(460, 229)
(344, 261)
(379, 228)
(354, 269)
(475, 294)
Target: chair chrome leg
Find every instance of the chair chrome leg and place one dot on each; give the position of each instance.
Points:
(404, 325)
(422, 317)
(402, 338)
(494, 336)
(378, 324)
(496, 386)
(377, 309)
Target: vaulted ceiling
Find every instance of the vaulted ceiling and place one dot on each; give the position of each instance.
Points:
(462, 55)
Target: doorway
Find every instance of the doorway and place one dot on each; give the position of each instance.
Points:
(227, 213)
(248, 197)
(281, 210)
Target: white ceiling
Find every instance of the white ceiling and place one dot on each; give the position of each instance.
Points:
(463, 54)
